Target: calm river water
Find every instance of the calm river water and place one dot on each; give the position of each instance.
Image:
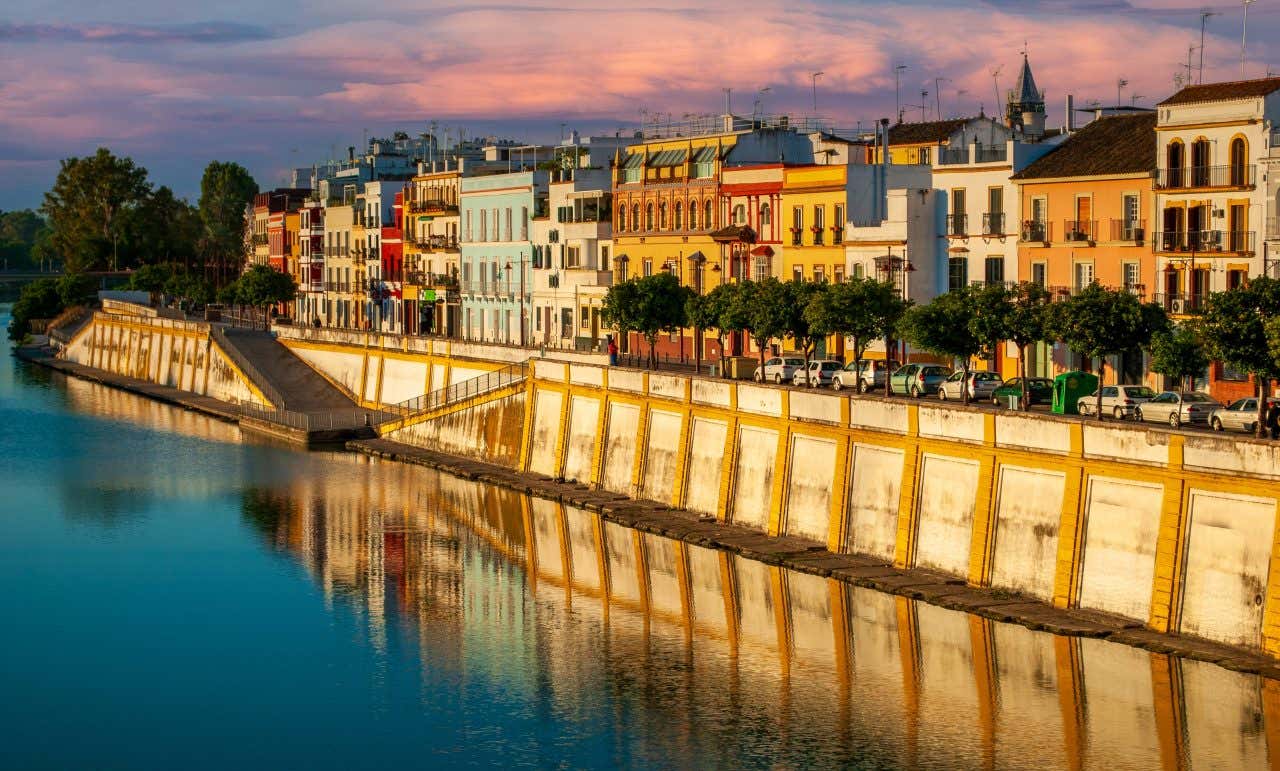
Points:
(177, 595)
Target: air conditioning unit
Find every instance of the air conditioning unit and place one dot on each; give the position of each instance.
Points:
(1177, 305)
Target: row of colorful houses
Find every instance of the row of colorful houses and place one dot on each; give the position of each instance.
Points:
(519, 244)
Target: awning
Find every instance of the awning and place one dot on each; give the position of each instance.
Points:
(633, 161)
(764, 250)
(667, 158)
(705, 154)
(734, 233)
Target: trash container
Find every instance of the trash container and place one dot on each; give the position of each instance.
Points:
(1068, 388)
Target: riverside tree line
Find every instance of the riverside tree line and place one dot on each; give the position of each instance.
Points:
(1239, 327)
(104, 213)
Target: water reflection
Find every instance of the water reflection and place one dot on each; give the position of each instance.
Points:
(713, 659)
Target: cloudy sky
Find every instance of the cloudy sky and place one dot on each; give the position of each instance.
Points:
(272, 85)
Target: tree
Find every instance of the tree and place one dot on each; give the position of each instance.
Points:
(649, 306)
(38, 300)
(702, 314)
(150, 278)
(619, 308)
(860, 309)
(162, 229)
(765, 310)
(1098, 322)
(19, 231)
(798, 294)
(1234, 326)
(1025, 323)
(76, 289)
(944, 327)
(990, 322)
(262, 287)
(88, 204)
(1178, 353)
(225, 190)
(732, 302)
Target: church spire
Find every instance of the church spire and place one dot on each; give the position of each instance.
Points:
(1026, 103)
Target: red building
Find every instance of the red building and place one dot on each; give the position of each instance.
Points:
(391, 289)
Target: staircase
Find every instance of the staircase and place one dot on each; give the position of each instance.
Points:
(283, 378)
(451, 398)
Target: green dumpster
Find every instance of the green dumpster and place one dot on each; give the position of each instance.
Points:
(1068, 388)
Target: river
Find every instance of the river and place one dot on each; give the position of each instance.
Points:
(176, 594)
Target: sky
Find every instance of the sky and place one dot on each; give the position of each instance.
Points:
(274, 85)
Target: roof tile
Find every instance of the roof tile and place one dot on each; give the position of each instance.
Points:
(1121, 144)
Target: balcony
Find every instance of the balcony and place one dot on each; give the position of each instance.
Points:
(433, 206)
(1203, 177)
(1034, 230)
(953, 156)
(1204, 241)
(437, 280)
(1079, 231)
(259, 240)
(990, 153)
(435, 243)
(993, 224)
(1180, 304)
(1129, 230)
(957, 225)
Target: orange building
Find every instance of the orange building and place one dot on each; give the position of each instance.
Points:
(1084, 210)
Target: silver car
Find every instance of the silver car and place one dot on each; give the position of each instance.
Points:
(1177, 407)
(980, 386)
(871, 372)
(1118, 401)
(779, 369)
(818, 374)
(1240, 415)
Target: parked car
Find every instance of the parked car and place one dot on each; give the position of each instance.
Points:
(980, 385)
(1039, 390)
(1240, 415)
(818, 374)
(918, 379)
(871, 372)
(1120, 401)
(778, 369)
(1177, 407)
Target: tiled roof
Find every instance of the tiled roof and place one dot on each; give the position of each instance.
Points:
(919, 133)
(1222, 92)
(1123, 144)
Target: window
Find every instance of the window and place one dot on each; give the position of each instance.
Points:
(994, 220)
(838, 274)
(740, 215)
(524, 223)
(484, 225)
(648, 268)
(762, 268)
(622, 217)
(819, 225)
(707, 222)
(994, 270)
(858, 271)
(819, 274)
(797, 273)
(1238, 153)
(1174, 161)
(648, 216)
(957, 273)
(1131, 219)
(1084, 275)
(1038, 270)
(584, 320)
(837, 227)
(766, 216)
(468, 227)
(1132, 276)
(957, 224)
(797, 225)
(1200, 163)
(662, 216)
(678, 224)
(1235, 278)
(573, 256)
(693, 214)
(524, 233)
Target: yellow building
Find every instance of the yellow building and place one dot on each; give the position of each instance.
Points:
(815, 200)
(913, 144)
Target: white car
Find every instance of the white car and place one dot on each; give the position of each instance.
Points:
(1177, 407)
(871, 373)
(1240, 415)
(1118, 401)
(819, 373)
(981, 385)
(779, 369)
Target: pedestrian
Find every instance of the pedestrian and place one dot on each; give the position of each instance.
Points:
(613, 351)
(1273, 418)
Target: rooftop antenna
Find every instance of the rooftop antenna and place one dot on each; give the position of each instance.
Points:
(897, 82)
(1205, 13)
(1120, 84)
(757, 109)
(1190, 50)
(728, 100)
(815, 76)
(937, 93)
(924, 104)
(1244, 32)
(961, 92)
(1133, 99)
(995, 77)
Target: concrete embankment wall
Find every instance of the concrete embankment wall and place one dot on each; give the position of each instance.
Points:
(130, 340)
(379, 369)
(1176, 531)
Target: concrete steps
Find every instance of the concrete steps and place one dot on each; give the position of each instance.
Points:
(287, 378)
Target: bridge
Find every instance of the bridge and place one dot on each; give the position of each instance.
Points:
(27, 276)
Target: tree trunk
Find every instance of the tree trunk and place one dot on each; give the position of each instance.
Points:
(697, 350)
(888, 386)
(857, 367)
(1022, 375)
(964, 384)
(1262, 431)
(1102, 370)
(807, 380)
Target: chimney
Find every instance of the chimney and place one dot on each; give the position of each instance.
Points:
(1070, 123)
(351, 152)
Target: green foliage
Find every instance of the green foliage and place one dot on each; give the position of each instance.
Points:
(261, 286)
(39, 300)
(76, 289)
(19, 232)
(225, 190)
(162, 228)
(648, 305)
(765, 311)
(860, 309)
(730, 302)
(87, 208)
(798, 295)
(1178, 353)
(150, 278)
(1026, 322)
(1239, 328)
(945, 327)
(990, 323)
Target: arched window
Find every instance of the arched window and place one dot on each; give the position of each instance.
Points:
(648, 217)
(679, 216)
(707, 221)
(693, 214)
(662, 216)
(635, 216)
(1238, 153)
(1200, 163)
(622, 217)
(1174, 162)
(740, 215)
(765, 214)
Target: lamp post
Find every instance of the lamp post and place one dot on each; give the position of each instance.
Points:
(1244, 33)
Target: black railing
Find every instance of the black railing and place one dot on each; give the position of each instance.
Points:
(953, 156)
(993, 224)
(957, 224)
(1078, 230)
(467, 389)
(1240, 175)
(989, 153)
(1034, 230)
(1128, 230)
(1187, 241)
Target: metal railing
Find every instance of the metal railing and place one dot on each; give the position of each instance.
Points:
(247, 367)
(1079, 230)
(990, 153)
(952, 156)
(332, 420)
(1128, 230)
(466, 389)
(1240, 175)
(1187, 241)
(1034, 230)
(957, 224)
(993, 224)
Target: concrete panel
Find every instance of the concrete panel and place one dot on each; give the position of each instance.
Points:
(1232, 456)
(402, 380)
(626, 380)
(659, 476)
(712, 392)
(761, 400)
(584, 414)
(437, 376)
(1026, 680)
(341, 367)
(546, 432)
(1228, 556)
(372, 365)
(878, 415)
(1221, 703)
(757, 623)
(809, 607)
(661, 559)
(948, 494)
(620, 447)
(753, 477)
(458, 373)
(812, 467)
(546, 537)
(706, 588)
(948, 423)
(666, 386)
(706, 456)
(1133, 445)
(948, 688)
(1028, 510)
(1122, 521)
(490, 431)
(580, 374)
(875, 484)
(584, 566)
(623, 563)
(818, 407)
(1120, 721)
(1034, 433)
